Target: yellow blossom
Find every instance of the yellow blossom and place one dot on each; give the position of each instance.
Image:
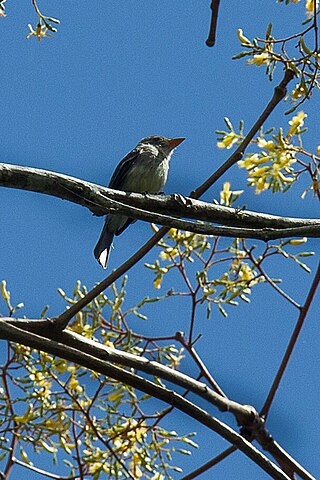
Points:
(296, 123)
(310, 4)
(246, 274)
(300, 90)
(228, 140)
(40, 32)
(242, 38)
(259, 59)
(268, 145)
(74, 385)
(251, 161)
(298, 241)
(227, 195)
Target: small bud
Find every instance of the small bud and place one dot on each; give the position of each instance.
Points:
(298, 241)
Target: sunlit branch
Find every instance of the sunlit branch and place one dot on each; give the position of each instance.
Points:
(161, 209)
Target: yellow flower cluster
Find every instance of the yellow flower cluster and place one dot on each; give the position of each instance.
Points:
(272, 167)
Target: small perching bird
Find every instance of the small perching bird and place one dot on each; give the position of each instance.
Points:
(143, 170)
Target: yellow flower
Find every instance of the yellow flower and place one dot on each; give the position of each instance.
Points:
(251, 161)
(246, 274)
(310, 6)
(40, 32)
(296, 123)
(299, 91)
(74, 385)
(270, 145)
(259, 59)
(228, 140)
(298, 241)
(227, 195)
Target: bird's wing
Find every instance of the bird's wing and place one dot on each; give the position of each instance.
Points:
(120, 173)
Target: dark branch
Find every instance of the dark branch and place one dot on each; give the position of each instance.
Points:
(303, 313)
(211, 40)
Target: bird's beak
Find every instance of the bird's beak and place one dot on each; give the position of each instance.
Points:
(174, 142)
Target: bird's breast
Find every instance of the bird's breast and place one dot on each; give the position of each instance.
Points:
(147, 175)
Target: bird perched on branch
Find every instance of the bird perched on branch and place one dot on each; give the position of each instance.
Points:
(143, 170)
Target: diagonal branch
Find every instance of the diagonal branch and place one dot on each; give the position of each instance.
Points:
(279, 93)
(303, 313)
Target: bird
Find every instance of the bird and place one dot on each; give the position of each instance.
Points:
(143, 170)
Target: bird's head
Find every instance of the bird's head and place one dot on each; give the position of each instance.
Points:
(166, 145)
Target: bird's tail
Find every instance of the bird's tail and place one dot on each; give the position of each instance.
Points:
(102, 249)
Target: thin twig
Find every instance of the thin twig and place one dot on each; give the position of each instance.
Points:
(43, 472)
(303, 313)
(203, 369)
(268, 279)
(210, 464)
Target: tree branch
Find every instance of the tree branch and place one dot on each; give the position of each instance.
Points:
(279, 93)
(211, 40)
(12, 333)
(245, 415)
(155, 208)
(293, 340)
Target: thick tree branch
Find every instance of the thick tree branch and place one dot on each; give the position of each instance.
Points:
(12, 333)
(245, 415)
(155, 208)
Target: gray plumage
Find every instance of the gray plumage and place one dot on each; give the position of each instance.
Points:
(143, 170)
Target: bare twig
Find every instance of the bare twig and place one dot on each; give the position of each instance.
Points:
(210, 464)
(303, 313)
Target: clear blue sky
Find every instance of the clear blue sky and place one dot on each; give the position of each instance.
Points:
(77, 103)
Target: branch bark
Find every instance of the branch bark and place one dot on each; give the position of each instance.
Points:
(157, 208)
(13, 333)
(25, 331)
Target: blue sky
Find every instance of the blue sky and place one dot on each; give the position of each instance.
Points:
(77, 103)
